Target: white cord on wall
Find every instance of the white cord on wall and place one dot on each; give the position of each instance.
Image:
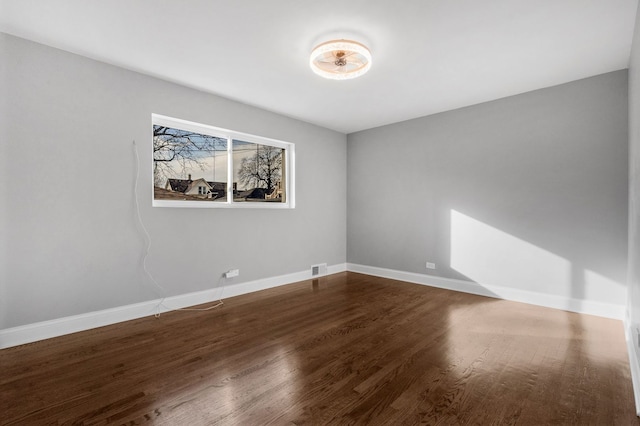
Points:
(147, 238)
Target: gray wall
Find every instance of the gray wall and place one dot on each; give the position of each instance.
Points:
(69, 240)
(527, 192)
(634, 185)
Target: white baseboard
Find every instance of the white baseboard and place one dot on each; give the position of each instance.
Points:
(47, 329)
(634, 365)
(606, 310)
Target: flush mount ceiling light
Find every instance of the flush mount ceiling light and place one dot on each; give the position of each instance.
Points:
(340, 59)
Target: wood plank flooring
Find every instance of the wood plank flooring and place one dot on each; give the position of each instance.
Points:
(343, 349)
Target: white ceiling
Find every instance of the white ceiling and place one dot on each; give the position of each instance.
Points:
(428, 55)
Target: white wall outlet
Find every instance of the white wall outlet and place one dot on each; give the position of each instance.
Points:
(232, 273)
(431, 265)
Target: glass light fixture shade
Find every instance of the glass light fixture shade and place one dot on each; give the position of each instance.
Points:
(340, 59)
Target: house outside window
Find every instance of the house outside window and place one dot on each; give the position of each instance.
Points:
(197, 165)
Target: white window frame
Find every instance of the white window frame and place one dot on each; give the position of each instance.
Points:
(229, 135)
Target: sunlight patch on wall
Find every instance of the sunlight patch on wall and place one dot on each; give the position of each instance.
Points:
(493, 257)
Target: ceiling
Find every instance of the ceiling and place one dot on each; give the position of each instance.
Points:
(429, 56)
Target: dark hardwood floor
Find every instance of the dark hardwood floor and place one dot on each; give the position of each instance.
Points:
(343, 349)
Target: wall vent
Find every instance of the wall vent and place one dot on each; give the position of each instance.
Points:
(319, 269)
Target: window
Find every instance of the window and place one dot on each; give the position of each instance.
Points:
(195, 165)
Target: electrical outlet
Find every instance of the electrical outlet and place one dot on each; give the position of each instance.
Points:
(431, 265)
(232, 273)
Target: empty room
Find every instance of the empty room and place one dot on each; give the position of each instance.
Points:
(288, 212)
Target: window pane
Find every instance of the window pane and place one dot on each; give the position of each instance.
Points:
(188, 166)
(258, 172)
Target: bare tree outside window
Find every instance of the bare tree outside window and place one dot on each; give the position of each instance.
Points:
(263, 169)
(176, 152)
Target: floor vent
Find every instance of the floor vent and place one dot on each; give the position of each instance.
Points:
(318, 270)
